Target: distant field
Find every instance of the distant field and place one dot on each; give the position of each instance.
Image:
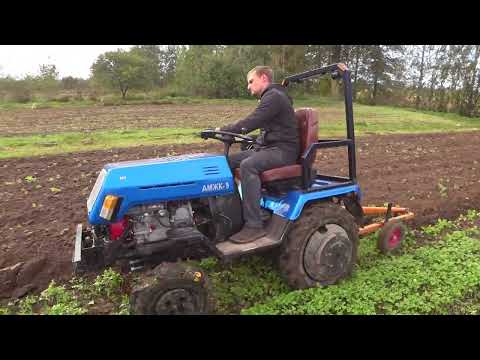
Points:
(28, 131)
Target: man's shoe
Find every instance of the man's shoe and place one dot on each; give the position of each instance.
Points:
(247, 234)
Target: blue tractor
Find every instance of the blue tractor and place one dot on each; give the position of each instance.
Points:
(148, 214)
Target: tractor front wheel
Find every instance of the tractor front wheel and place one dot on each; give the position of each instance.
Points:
(171, 289)
(321, 248)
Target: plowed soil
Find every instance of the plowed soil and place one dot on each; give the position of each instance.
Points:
(49, 121)
(44, 198)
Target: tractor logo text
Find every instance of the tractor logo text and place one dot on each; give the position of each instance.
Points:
(215, 187)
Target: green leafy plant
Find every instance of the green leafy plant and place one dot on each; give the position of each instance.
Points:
(442, 189)
(25, 306)
(55, 293)
(80, 284)
(30, 179)
(124, 307)
(472, 215)
(208, 263)
(66, 309)
(442, 225)
(5, 311)
(243, 283)
(60, 301)
(108, 283)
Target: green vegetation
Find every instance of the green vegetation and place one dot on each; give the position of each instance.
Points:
(431, 279)
(104, 295)
(74, 142)
(243, 283)
(385, 119)
(60, 302)
(124, 70)
(418, 283)
(108, 283)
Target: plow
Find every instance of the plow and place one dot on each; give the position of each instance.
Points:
(392, 227)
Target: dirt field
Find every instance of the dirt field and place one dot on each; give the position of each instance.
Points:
(49, 121)
(434, 175)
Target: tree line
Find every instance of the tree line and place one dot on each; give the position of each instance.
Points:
(429, 77)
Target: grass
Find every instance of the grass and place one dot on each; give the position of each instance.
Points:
(386, 119)
(438, 278)
(241, 284)
(26, 146)
(368, 120)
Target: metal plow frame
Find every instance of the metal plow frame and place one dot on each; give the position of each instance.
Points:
(391, 214)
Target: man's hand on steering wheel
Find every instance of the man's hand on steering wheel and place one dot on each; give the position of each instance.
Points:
(226, 136)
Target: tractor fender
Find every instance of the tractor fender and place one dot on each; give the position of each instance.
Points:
(291, 205)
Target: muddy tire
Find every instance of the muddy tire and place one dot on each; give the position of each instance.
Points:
(171, 289)
(391, 236)
(321, 247)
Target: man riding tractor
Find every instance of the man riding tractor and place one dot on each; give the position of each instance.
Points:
(278, 146)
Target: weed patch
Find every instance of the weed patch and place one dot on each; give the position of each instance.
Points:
(421, 282)
(104, 294)
(109, 283)
(243, 283)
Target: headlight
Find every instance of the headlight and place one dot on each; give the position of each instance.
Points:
(109, 206)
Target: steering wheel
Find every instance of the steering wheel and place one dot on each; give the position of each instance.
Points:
(228, 138)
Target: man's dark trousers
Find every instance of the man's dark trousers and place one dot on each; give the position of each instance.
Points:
(252, 163)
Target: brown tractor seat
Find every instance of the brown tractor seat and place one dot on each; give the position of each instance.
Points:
(307, 119)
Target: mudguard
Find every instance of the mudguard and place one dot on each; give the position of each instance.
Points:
(290, 206)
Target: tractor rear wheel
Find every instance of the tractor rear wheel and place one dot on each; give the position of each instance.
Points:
(321, 248)
(171, 289)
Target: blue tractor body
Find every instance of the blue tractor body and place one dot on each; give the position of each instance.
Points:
(290, 206)
(193, 176)
(144, 182)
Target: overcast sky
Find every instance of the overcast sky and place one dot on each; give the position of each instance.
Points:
(70, 60)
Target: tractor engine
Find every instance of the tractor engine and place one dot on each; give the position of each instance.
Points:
(152, 223)
(170, 229)
(149, 230)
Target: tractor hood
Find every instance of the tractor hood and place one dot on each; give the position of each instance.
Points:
(143, 182)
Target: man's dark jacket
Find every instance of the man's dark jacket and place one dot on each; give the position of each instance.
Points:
(275, 116)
